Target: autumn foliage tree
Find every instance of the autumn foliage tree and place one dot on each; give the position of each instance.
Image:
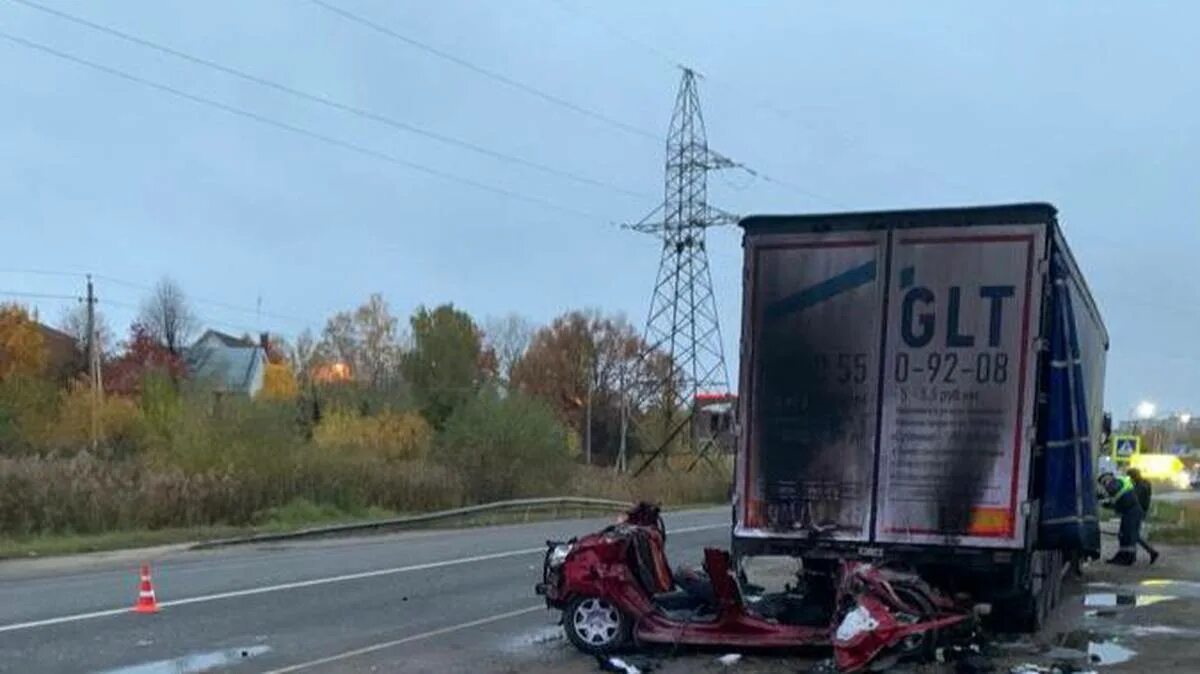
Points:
(22, 348)
(142, 354)
(581, 352)
(279, 382)
(366, 340)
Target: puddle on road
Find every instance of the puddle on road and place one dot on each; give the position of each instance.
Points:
(1184, 588)
(1094, 648)
(1109, 653)
(1125, 599)
(193, 662)
(1161, 630)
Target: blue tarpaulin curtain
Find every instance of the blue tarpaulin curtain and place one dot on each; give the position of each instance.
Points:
(1068, 509)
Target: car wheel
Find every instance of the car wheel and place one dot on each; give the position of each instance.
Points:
(595, 625)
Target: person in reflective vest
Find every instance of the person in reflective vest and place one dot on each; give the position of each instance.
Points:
(1143, 490)
(1122, 498)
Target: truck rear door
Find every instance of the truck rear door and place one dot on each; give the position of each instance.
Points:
(812, 334)
(889, 378)
(956, 422)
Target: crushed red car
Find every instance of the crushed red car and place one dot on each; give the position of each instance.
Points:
(616, 591)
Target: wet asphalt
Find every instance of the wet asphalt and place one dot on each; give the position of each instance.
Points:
(438, 601)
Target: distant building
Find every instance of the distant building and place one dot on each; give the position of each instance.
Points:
(63, 356)
(224, 364)
(331, 373)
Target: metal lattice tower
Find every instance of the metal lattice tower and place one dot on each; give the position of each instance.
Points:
(683, 322)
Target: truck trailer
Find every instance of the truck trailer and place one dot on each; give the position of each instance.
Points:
(921, 388)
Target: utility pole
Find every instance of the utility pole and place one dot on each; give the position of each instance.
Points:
(587, 435)
(93, 359)
(621, 461)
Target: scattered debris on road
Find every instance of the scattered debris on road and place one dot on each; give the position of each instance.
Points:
(1062, 668)
(730, 659)
(625, 665)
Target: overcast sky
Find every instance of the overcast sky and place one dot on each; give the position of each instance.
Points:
(1092, 106)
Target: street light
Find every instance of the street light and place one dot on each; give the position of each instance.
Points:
(1145, 410)
(1185, 418)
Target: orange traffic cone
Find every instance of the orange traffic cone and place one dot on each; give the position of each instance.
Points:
(146, 603)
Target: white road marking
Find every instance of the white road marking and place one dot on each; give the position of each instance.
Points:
(306, 583)
(65, 619)
(702, 527)
(397, 642)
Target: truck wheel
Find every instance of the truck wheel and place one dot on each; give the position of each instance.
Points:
(596, 626)
(1021, 614)
(1057, 570)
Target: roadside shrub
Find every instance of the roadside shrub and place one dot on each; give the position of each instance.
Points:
(506, 447)
(28, 407)
(705, 483)
(210, 432)
(388, 435)
(121, 425)
(279, 383)
(84, 494)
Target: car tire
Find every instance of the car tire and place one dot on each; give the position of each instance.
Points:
(596, 626)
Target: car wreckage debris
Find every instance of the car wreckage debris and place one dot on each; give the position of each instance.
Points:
(625, 665)
(617, 592)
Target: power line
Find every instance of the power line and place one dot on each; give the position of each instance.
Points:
(204, 300)
(203, 319)
(146, 288)
(331, 103)
(792, 186)
(308, 133)
(762, 103)
(679, 63)
(491, 74)
(642, 44)
(39, 296)
(43, 272)
(115, 303)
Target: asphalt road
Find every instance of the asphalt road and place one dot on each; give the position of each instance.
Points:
(435, 601)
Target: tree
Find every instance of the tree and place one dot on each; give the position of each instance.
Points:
(74, 323)
(365, 339)
(279, 382)
(505, 447)
(304, 355)
(142, 354)
(379, 349)
(22, 347)
(508, 337)
(447, 362)
(585, 356)
(168, 317)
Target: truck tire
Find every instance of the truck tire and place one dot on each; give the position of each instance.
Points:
(1028, 611)
(1058, 570)
(1020, 614)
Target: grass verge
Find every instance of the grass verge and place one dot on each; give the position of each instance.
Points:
(296, 514)
(1177, 523)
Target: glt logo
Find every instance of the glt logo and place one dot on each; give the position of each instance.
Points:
(922, 310)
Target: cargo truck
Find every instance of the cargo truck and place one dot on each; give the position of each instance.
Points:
(922, 388)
